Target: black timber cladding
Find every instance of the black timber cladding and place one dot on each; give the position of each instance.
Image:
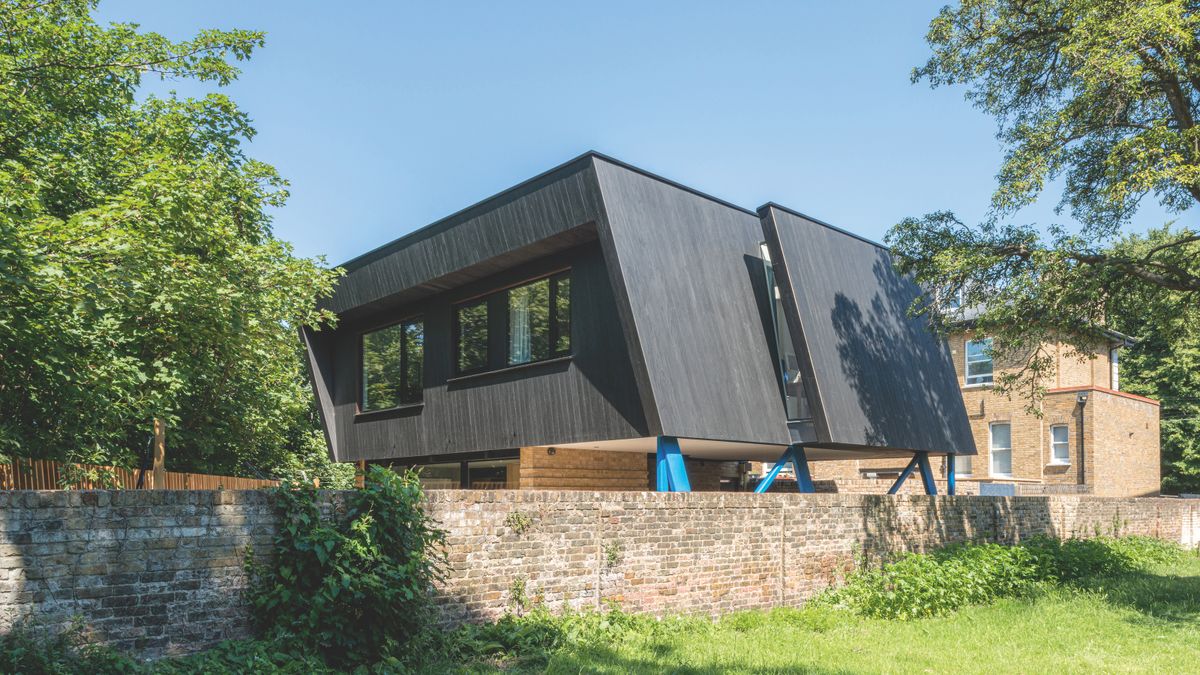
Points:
(876, 376)
(669, 331)
(688, 268)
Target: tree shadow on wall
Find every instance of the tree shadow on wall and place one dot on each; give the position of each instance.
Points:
(897, 367)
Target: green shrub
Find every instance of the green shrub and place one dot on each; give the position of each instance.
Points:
(30, 648)
(355, 586)
(536, 635)
(246, 656)
(921, 585)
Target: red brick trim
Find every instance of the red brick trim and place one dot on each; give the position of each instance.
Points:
(1125, 394)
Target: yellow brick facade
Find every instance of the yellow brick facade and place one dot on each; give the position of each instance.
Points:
(1112, 436)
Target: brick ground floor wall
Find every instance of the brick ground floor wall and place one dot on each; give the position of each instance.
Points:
(159, 572)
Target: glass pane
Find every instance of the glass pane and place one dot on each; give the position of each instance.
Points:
(414, 354)
(964, 465)
(472, 337)
(1001, 436)
(529, 322)
(1002, 463)
(381, 376)
(1059, 434)
(440, 476)
(562, 315)
(498, 474)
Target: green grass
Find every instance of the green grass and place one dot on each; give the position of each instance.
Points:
(1144, 621)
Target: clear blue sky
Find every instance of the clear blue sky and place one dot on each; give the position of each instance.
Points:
(386, 116)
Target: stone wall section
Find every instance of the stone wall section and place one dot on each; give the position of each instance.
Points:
(161, 572)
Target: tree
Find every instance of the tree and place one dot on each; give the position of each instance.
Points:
(139, 274)
(1102, 96)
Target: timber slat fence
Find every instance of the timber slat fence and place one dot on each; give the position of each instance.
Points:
(42, 474)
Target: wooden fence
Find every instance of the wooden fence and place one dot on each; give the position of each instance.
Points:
(41, 474)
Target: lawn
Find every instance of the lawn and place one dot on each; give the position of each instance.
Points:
(1146, 621)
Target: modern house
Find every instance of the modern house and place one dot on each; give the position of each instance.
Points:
(600, 327)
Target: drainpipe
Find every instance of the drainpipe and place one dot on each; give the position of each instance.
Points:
(1082, 398)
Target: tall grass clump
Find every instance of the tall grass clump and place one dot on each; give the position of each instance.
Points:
(918, 585)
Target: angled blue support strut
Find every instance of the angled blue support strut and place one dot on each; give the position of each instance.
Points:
(920, 459)
(795, 455)
(672, 474)
(950, 475)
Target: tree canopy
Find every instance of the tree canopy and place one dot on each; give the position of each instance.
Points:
(139, 274)
(1100, 97)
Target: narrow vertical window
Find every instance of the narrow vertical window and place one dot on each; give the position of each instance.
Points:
(414, 361)
(1060, 446)
(539, 320)
(392, 363)
(1115, 372)
(471, 329)
(979, 361)
(1001, 450)
(562, 314)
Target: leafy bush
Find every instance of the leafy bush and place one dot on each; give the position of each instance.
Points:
(354, 585)
(29, 648)
(921, 585)
(536, 635)
(246, 656)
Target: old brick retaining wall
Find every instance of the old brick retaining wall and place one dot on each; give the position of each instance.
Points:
(161, 572)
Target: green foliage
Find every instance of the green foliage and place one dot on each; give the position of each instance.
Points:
(247, 656)
(532, 638)
(139, 272)
(1102, 96)
(918, 585)
(30, 648)
(612, 554)
(353, 584)
(518, 521)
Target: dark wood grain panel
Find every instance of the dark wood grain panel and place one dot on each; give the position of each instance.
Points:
(687, 265)
(875, 376)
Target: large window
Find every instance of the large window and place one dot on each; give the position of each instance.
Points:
(1060, 446)
(979, 361)
(474, 474)
(539, 320)
(392, 362)
(1001, 450)
(533, 319)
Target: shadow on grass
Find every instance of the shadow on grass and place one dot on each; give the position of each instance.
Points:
(1158, 597)
(664, 657)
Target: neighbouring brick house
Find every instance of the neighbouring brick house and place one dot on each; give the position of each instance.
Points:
(1090, 438)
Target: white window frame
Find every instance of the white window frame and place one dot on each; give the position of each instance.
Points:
(1114, 372)
(977, 380)
(992, 450)
(1065, 460)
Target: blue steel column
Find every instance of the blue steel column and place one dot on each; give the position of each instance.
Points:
(903, 476)
(950, 475)
(926, 473)
(672, 473)
(803, 475)
(794, 454)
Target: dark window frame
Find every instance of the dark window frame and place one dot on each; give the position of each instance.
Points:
(552, 352)
(362, 376)
(498, 342)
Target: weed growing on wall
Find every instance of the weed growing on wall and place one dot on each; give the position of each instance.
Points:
(354, 584)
